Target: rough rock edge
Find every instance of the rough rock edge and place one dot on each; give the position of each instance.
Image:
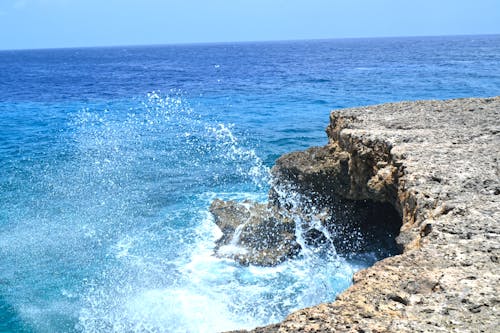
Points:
(437, 162)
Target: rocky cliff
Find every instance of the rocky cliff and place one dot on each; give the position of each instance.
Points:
(437, 164)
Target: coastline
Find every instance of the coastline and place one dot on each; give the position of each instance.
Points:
(438, 164)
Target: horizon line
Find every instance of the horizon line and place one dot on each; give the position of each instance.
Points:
(242, 42)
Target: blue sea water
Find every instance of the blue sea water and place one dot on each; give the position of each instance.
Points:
(110, 157)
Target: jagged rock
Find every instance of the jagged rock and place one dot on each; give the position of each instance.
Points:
(252, 233)
(437, 163)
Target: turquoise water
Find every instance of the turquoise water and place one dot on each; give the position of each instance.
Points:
(110, 157)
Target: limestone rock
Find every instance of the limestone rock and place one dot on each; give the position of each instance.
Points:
(437, 163)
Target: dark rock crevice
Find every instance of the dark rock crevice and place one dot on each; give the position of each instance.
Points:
(358, 189)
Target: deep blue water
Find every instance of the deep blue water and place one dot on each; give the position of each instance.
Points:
(110, 157)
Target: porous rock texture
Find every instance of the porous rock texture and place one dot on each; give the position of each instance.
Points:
(438, 164)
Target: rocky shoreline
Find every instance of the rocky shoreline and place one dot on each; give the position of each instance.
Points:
(433, 167)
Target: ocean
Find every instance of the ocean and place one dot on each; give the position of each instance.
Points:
(110, 158)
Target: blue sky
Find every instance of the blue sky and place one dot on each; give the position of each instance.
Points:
(68, 23)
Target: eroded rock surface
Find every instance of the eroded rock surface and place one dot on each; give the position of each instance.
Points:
(438, 164)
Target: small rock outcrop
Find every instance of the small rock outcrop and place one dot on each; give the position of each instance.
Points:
(437, 165)
(253, 234)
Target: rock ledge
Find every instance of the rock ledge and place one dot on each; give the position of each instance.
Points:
(438, 164)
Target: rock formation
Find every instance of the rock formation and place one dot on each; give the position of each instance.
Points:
(253, 234)
(437, 164)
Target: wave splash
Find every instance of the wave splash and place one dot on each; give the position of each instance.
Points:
(111, 232)
(169, 285)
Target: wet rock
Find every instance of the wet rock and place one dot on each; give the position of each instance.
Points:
(437, 164)
(252, 233)
(265, 235)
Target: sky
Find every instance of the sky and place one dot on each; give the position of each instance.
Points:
(29, 24)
